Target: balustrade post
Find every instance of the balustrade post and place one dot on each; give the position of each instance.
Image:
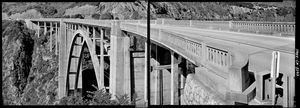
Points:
(45, 28)
(204, 52)
(51, 36)
(88, 30)
(230, 25)
(56, 39)
(38, 30)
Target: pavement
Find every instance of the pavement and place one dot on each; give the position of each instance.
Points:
(258, 47)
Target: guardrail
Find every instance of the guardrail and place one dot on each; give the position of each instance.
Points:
(217, 57)
(270, 28)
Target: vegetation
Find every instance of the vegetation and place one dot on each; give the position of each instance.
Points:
(17, 50)
(99, 97)
(246, 11)
(29, 78)
(30, 71)
(86, 10)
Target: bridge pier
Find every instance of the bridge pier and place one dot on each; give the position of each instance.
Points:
(145, 77)
(119, 65)
(174, 79)
(62, 61)
(101, 55)
(158, 98)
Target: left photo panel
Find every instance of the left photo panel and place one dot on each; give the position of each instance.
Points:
(74, 53)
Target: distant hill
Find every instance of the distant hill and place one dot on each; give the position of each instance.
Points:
(249, 11)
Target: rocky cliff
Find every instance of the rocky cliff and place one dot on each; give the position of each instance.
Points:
(28, 68)
(246, 11)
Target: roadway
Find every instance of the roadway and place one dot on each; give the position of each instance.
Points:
(258, 47)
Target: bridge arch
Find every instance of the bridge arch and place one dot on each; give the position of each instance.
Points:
(85, 41)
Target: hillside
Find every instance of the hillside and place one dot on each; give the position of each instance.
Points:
(246, 11)
(29, 70)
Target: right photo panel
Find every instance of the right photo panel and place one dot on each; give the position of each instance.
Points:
(222, 53)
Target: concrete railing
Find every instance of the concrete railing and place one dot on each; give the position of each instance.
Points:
(265, 27)
(271, 28)
(216, 56)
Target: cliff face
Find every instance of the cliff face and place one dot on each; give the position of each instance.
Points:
(247, 11)
(28, 69)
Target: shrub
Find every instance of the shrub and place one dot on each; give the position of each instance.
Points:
(106, 16)
(17, 32)
(99, 97)
(135, 15)
(29, 14)
(73, 100)
(78, 16)
(47, 11)
(85, 10)
(96, 16)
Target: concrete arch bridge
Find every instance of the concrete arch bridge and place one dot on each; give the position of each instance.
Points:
(206, 62)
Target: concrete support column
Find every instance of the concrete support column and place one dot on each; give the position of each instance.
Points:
(38, 29)
(67, 37)
(183, 72)
(72, 29)
(88, 30)
(101, 56)
(291, 92)
(127, 85)
(45, 28)
(238, 76)
(51, 36)
(158, 78)
(174, 80)
(145, 77)
(56, 38)
(119, 53)
(62, 74)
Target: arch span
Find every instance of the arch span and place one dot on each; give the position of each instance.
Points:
(84, 41)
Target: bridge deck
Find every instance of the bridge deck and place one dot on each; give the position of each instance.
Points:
(258, 47)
